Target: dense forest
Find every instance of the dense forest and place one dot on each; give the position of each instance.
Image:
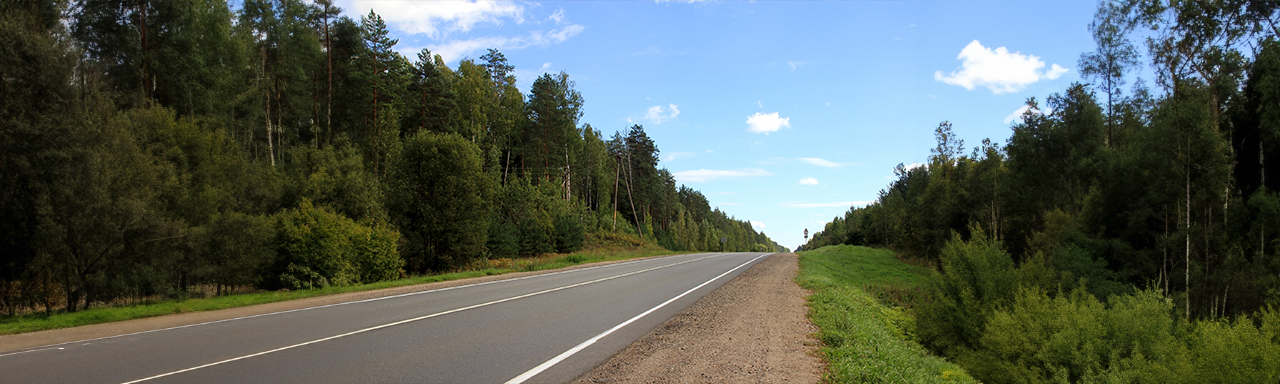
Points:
(167, 148)
(1118, 235)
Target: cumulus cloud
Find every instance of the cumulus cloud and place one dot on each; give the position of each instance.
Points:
(757, 224)
(809, 181)
(820, 162)
(1017, 115)
(458, 49)
(437, 18)
(658, 115)
(765, 123)
(705, 175)
(999, 70)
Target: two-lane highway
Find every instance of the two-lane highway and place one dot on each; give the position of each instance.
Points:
(536, 329)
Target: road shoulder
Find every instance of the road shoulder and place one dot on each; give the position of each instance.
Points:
(752, 329)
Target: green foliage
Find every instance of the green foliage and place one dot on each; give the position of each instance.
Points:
(978, 277)
(865, 340)
(238, 247)
(569, 234)
(335, 177)
(440, 200)
(319, 248)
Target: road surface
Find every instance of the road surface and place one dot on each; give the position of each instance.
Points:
(537, 329)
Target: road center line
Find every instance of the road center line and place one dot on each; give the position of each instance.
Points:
(556, 360)
(392, 324)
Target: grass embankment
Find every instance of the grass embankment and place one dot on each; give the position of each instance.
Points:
(597, 248)
(860, 304)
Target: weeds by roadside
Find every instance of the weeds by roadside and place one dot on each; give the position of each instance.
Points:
(860, 305)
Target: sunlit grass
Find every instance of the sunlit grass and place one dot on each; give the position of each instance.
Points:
(869, 339)
(597, 249)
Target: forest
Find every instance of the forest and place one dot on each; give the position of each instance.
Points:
(1120, 234)
(178, 148)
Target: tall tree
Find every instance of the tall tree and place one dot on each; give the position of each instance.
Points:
(1115, 54)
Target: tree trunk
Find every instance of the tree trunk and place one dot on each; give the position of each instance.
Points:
(616, 168)
(1187, 275)
(328, 52)
(266, 94)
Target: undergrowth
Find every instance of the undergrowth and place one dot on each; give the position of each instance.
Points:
(861, 306)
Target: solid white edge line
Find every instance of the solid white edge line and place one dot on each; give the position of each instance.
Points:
(556, 360)
(51, 346)
(423, 317)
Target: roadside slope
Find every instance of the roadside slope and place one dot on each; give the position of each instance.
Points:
(752, 329)
(859, 302)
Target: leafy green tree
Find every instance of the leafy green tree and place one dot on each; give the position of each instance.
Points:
(440, 201)
(1114, 56)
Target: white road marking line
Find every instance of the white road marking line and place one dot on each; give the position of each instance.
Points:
(556, 360)
(419, 318)
(50, 346)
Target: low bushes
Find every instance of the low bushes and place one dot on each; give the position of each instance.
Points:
(317, 248)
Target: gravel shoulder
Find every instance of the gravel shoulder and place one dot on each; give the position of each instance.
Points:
(752, 329)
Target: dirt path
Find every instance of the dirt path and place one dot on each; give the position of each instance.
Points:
(753, 329)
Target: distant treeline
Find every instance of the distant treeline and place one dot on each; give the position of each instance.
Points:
(1163, 205)
(160, 148)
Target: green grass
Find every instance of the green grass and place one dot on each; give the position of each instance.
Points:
(595, 250)
(859, 305)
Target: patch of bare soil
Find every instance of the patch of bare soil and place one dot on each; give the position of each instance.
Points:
(753, 329)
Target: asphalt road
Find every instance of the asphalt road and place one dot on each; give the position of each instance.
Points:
(546, 328)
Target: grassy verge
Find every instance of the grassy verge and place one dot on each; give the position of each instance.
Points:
(860, 305)
(597, 249)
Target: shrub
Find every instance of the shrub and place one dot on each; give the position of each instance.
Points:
(977, 278)
(569, 233)
(317, 247)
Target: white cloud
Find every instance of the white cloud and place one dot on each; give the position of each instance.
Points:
(558, 17)
(998, 70)
(705, 175)
(835, 204)
(759, 104)
(458, 49)
(658, 115)
(820, 162)
(795, 64)
(1017, 115)
(710, 151)
(912, 166)
(437, 18)
(546, 66)
(673, 156)
(765, 123)
(809, 181)
(757, 224)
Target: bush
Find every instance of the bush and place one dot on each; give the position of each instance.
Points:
(317, 247)
(569, 233)
(977, 277)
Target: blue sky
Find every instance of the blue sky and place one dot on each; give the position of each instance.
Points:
(784, 113)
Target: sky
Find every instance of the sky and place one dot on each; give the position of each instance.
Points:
(783, 113)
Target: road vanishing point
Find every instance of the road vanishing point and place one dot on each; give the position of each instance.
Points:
(547, 328)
